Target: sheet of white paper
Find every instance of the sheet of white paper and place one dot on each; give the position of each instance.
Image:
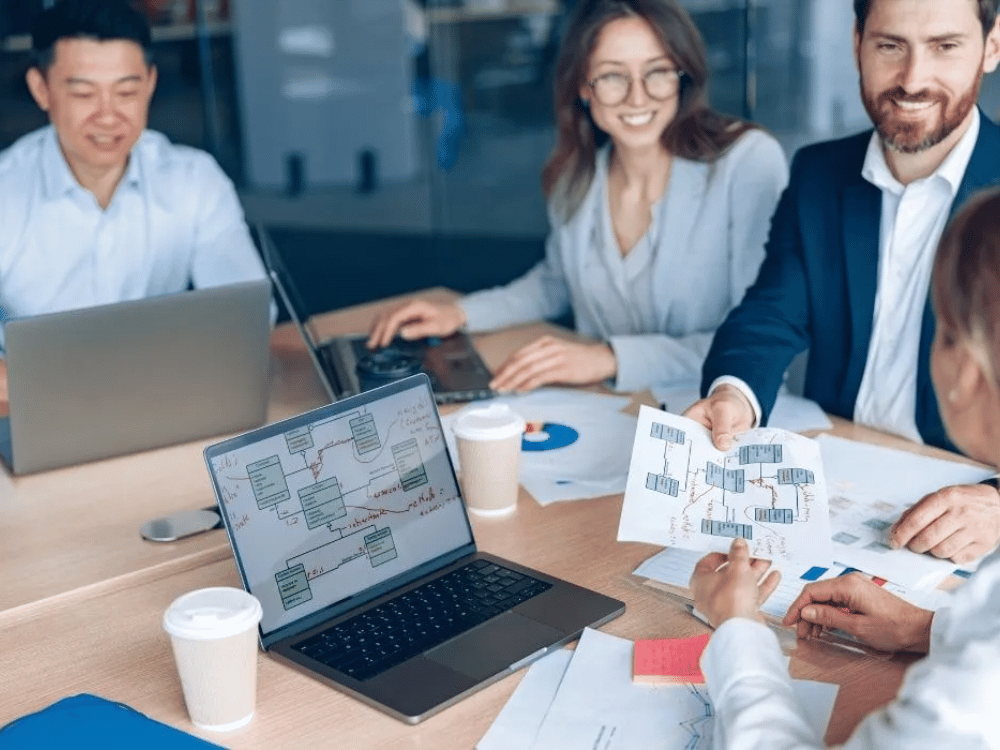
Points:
(674, 567)
(869, 488)
(768, 488)
(581, 451)
(547, 490)
(792, 413)
(518, 722)
(598, 707)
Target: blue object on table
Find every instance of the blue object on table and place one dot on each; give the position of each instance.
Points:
(550, 437)
(89, 721)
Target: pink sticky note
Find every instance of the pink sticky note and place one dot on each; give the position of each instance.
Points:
(669, 659)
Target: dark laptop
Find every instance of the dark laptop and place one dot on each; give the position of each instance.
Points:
(346, 366)
(101, 381)
(348, 525)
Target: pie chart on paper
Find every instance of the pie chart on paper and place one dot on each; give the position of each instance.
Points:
(548, 436)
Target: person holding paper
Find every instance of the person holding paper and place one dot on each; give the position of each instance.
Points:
(659, 208)
(850, 252)
(948, 699)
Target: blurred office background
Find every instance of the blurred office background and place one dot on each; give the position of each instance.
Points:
(391, 145)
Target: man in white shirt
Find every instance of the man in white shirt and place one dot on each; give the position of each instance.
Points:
(94, 208)
(850, 251)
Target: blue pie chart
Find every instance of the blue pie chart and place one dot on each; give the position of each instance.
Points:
(550, 437)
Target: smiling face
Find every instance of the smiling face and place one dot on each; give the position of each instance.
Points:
(97, 95)
(628, 47)
(921, 64)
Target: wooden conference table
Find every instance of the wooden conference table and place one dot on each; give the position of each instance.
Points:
(82, 595)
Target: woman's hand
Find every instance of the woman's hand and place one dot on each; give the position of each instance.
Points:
(554, 360)
(732, 586)
(416, 319)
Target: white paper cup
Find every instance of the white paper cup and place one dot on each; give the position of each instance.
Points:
(213, 632)
(489, 450)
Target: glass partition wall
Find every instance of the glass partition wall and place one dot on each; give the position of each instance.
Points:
(391, 145)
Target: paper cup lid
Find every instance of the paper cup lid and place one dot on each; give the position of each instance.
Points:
(212, 613)
(493, 422)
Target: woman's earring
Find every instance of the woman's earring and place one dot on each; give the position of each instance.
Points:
(585, 102)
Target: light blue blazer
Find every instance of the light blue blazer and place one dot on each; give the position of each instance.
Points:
(704, 246)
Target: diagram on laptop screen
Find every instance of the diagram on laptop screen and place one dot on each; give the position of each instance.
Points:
(330, 507)
(768, 489)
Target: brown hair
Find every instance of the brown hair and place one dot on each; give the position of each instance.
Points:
(966, 284)
(697, 132)
(987, 13)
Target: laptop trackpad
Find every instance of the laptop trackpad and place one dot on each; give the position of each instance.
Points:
(494, 645)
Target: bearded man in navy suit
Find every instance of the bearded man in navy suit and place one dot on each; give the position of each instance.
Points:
(849, 256)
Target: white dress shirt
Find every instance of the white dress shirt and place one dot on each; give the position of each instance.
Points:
(948, 699)
(173, 221)
(913, 219)
(658, 307)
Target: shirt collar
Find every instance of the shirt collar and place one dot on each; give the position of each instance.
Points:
(952, 169)
(58, 178)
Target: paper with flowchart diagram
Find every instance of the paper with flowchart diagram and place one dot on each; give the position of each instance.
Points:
(768, 488)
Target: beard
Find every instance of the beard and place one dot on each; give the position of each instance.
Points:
(907, 136)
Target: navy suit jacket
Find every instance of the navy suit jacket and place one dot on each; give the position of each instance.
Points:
(816, 287)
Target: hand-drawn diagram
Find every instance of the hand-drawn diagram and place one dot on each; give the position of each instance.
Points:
(342, 502)
(699, 726)
(768, 489)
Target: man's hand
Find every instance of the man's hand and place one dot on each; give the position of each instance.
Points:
(725, 412)
(855, 605)
(732, 586)
(415, 319)
(555, 360)
(960, 522)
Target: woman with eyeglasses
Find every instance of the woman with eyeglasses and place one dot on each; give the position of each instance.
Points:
(659, 208)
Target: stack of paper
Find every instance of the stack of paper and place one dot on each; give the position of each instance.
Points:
(869, 488)
(586, 699)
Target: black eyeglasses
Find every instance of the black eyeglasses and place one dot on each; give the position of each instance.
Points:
(611, 89)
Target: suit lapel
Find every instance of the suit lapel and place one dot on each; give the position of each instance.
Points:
(861, 224)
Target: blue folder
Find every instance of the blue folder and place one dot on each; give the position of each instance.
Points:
(88, 721)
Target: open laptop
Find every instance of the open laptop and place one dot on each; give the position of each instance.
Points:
(346, 366)
(349, 518)
(101, 381)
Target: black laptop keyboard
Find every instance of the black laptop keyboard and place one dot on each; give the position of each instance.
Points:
(384, 636)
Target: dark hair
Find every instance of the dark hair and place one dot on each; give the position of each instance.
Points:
(87, 19)
(987, 13)
(697, 132)
(966, 285)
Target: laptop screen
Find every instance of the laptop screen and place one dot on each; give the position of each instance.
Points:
(332, 503)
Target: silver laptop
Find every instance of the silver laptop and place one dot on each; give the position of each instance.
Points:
(346, 366)
(348, 525)
(102, 381)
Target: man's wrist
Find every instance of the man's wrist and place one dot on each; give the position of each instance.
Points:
(920, 641)
(744, 389)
